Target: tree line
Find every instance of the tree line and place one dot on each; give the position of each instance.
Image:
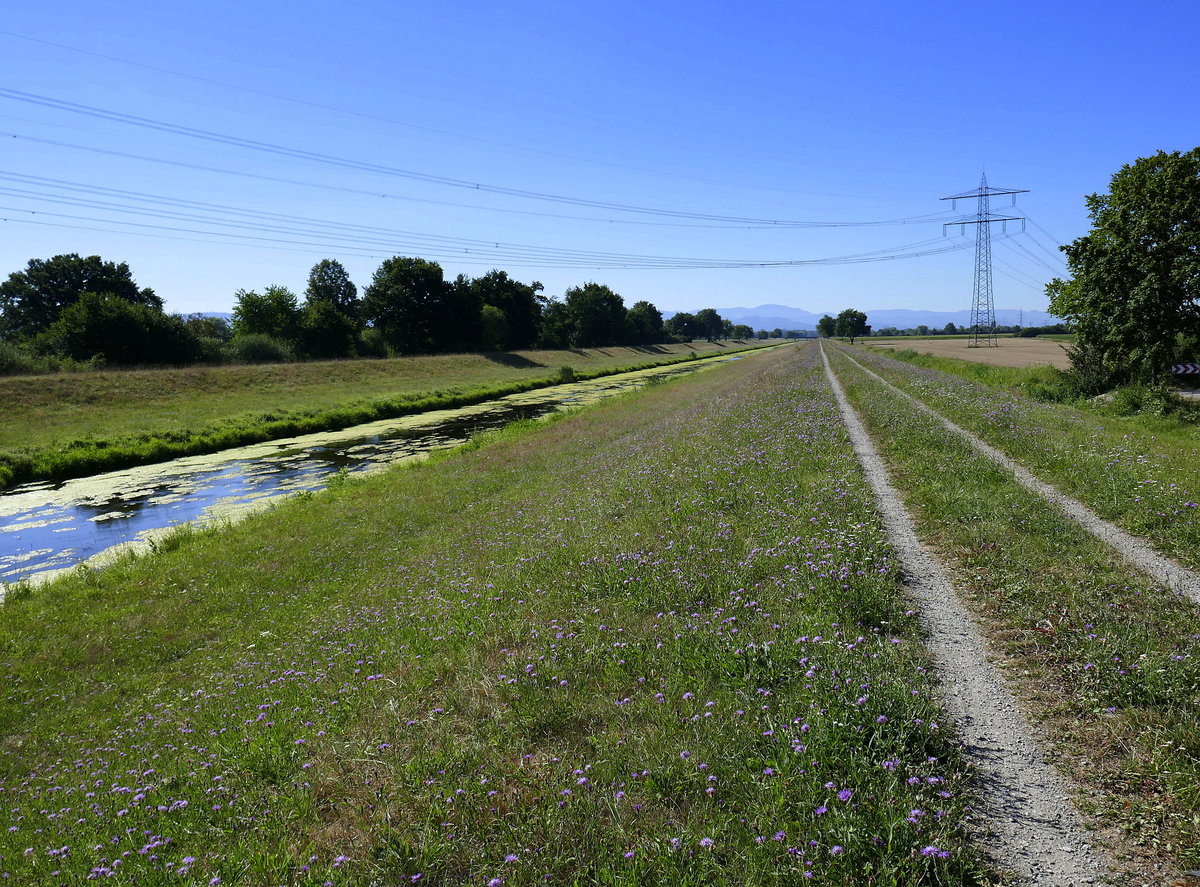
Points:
(73, 309)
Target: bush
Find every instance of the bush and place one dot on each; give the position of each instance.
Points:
(15, 360)
(24, 360)
(258, 348)
(1137, 399)
(121, 332)
(372, 343)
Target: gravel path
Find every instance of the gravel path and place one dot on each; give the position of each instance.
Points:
(1031, 828)
(1131, 548)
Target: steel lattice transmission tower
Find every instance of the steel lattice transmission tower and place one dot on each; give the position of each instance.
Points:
(983, 308)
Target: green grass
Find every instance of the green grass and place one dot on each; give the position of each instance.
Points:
(657, 641)
(1141, 472)
(1039, 382)
(1112, 662)
(63, 426)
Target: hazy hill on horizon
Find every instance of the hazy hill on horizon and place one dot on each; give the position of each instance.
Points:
(768, 317)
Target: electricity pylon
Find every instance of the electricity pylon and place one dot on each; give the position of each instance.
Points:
(983, 309)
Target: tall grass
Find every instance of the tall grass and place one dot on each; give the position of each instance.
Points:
(658, 641)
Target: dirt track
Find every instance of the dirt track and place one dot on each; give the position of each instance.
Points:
(1031, 827)
(1007, 353)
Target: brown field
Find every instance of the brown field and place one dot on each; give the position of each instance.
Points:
(1008, 353)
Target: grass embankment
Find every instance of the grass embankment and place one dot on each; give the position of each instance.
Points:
(1111, 662)
(67, 426)
(1142, 473)
(656, 642)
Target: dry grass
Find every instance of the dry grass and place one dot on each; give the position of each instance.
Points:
(1007, 353)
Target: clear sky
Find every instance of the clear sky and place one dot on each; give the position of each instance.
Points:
(761, 110)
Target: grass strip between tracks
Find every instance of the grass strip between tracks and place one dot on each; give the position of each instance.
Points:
(1143, 475)
(657, 641)
(76, 425)
(1110, 663)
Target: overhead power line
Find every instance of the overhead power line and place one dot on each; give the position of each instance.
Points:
(407, 124)
(459, 248)
(428, 178)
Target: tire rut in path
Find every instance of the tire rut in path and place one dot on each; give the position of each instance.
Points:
(1031, 829)
(1134, 550)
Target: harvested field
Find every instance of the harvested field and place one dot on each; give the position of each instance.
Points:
(1008, 353)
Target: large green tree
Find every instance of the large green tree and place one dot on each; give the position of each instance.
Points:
(826, 327)
(712, 323)
(1134, 293)
(684, 325)
(597, 316)
(273, 312)
(417, 310)
(328, 282)
(330, 325)
(645, 323)
(851, 324)
(32, 299)
(518, 302)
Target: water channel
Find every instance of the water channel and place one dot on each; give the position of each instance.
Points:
(46, 528)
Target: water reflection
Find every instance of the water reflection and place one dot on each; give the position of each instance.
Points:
(48, 527)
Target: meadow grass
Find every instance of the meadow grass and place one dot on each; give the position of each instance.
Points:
(1041, 382)
(661, 640)
(1110, 662)
(1142, 474)
(53, 427)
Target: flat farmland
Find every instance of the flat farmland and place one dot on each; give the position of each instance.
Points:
(1007, 353)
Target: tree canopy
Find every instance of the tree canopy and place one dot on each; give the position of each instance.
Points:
(273, 312)
(517, 302)
(852, 324)
(1134, 293)
(120, 332)
(31, 300)
(645, 323)
(597, 316)
(406, 301)
(826, 327)
(328, 282)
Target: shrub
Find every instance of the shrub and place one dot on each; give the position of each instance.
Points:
(258, 348)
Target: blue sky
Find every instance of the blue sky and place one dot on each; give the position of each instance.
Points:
(777, 112)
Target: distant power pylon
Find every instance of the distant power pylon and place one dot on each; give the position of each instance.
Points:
(983, 308)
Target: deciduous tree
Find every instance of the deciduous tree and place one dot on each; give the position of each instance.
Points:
(32, 299)
(645, 323)
(273, 312)
(597, 316)
(1134, 294)
(712, 323)
(328, 282)
(121, 332)
(852, 324)
(518, 301)
(408, 302)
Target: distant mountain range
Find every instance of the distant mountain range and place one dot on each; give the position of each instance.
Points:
(768, 317)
